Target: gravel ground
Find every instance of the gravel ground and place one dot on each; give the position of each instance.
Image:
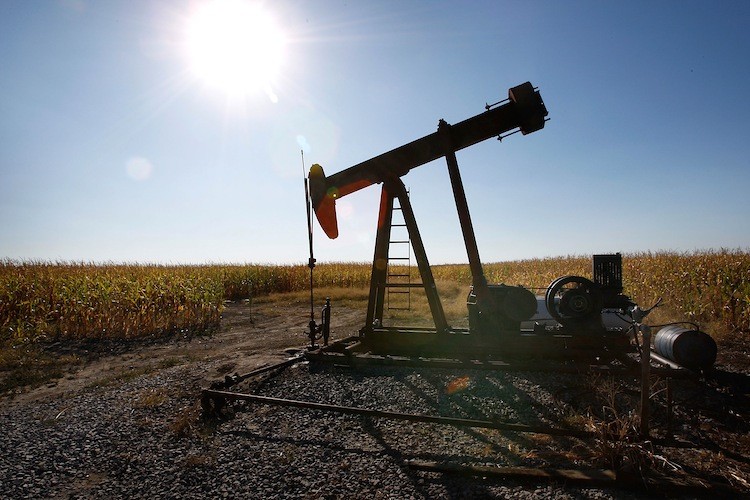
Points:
(141, 438)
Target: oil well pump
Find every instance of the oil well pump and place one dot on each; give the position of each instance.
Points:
(588, 323)
(500, 316)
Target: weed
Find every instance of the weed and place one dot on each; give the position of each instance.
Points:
(189, 423)
(27, 365)
(151, 398)
(122, 376)
(169, 362)
(617, 443)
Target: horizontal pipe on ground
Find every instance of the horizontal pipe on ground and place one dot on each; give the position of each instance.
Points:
(671, 370)
(459, 422)
(282, 364)
(230, 381)
(661, 359)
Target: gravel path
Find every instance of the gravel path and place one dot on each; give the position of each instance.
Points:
(141, 438)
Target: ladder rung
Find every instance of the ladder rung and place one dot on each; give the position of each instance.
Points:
(399, 258)
(398, 225)
(398, 275)
(399, 241)
(404, 285)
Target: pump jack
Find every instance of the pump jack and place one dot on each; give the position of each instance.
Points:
(573, 326)
(495, 311)
(574, 304)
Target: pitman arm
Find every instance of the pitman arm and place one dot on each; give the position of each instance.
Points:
(524, 109)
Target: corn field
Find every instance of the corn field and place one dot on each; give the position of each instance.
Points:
(55, 301)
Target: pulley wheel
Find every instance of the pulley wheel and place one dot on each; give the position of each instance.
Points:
(573, 298)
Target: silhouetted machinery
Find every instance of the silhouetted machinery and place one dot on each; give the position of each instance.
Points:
(571, 321)
(587, 321)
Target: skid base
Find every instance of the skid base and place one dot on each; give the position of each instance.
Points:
(613, 355)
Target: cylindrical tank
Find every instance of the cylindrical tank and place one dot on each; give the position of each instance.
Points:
(692, 349)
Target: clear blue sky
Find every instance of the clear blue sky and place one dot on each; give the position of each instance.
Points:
(113, 149)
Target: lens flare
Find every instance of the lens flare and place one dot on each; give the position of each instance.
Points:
(457, 385)
(139, 168)
(235, 46)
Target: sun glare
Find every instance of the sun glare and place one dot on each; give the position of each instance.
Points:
(235, 46)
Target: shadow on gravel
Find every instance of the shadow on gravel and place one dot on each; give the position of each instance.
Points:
(468, 409)
(712, 416)
(456, 486)
(714, 411)
(368, 427)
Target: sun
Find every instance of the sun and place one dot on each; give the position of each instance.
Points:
(235, 46)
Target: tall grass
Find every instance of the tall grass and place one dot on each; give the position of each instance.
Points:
(46, 301)
(707, 287)
(81, 301)
(250, 280)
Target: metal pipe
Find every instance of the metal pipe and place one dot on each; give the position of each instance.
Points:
(668, 362)
(265, 369)
(459, 422)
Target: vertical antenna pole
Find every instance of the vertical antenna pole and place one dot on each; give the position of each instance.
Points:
(311, 262)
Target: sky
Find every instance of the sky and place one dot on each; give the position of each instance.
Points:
(128, 133)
